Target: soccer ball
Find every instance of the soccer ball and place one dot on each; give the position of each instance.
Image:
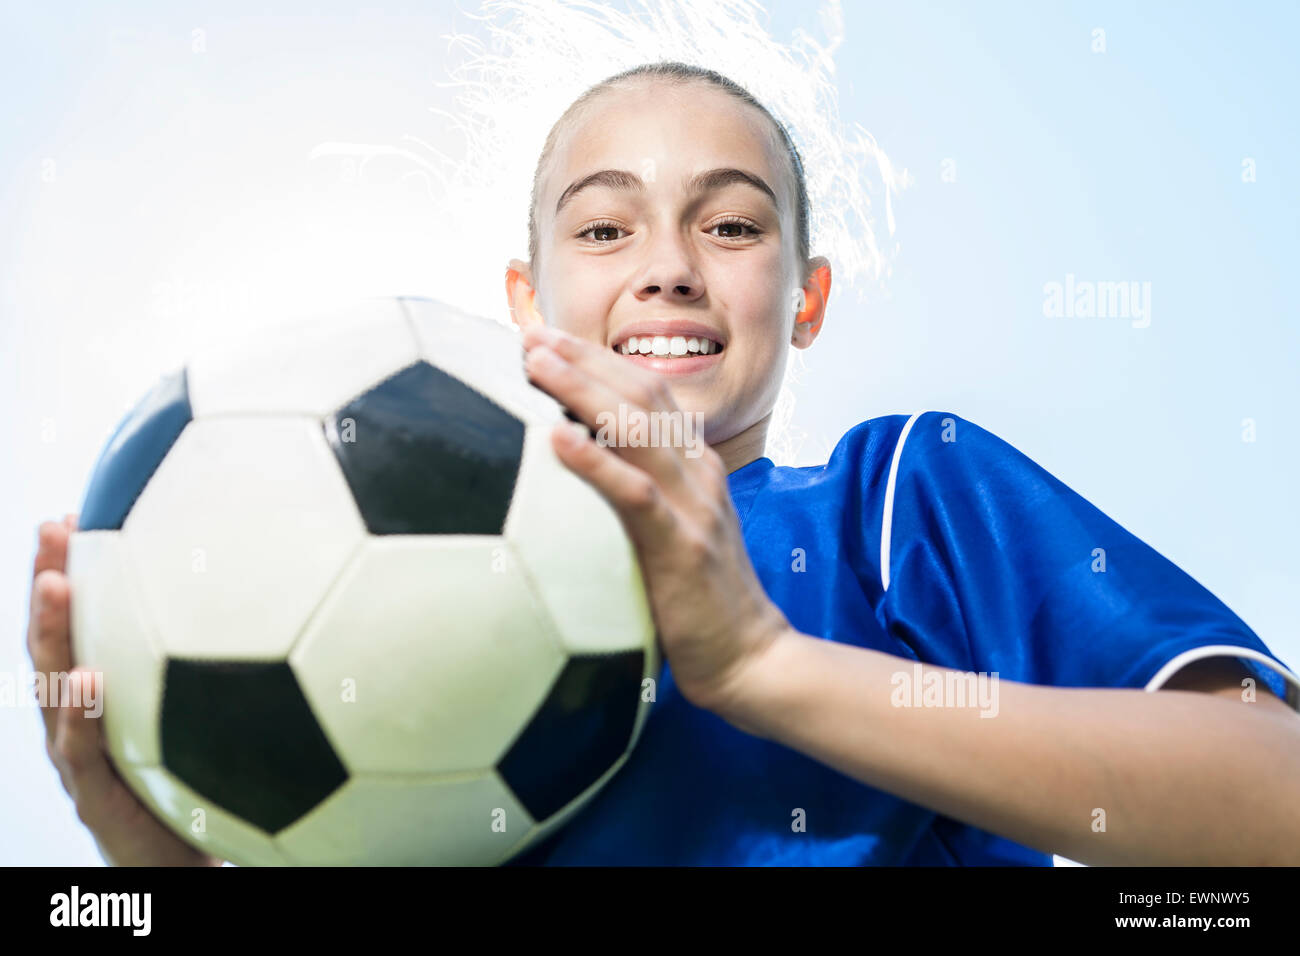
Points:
(349, 606)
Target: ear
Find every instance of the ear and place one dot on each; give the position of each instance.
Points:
(520, 295)
(817, 291)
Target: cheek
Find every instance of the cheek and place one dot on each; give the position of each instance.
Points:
(759, 294)
(769, 333)
(768, 372)
(756, 378)
(569, 302)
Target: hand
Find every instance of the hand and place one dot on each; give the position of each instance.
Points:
(126, 833)
(713, 617)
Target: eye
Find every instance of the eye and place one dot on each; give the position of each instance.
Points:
(736, 227)
(601, 227)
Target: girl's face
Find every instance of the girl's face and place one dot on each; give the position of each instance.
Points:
(676, 216)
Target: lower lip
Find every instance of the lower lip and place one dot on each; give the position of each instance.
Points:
(675, 366)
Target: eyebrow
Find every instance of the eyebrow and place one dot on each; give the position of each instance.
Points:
(704, 182)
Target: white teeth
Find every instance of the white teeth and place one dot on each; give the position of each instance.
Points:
(668, 345)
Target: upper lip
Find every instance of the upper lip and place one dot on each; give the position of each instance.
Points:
(668, 327)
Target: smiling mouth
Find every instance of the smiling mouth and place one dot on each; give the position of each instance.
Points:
(668, 346)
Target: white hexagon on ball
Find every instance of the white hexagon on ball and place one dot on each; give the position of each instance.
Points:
(239, 534)
(428, 656)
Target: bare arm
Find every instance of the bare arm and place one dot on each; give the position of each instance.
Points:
(1190, 775)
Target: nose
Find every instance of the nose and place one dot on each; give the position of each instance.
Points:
(669, 271)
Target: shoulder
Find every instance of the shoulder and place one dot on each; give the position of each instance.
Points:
(890, 446)
(873, 454)
(942, 474)
(938, 438)
(882, 442)
(881, 465)
(940, 456)
(881, 468)
(867, 449)
(858, 463)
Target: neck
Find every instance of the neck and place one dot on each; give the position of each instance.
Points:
(746, 446)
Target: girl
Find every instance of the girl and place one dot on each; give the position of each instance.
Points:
(926, 651)
(815, 620)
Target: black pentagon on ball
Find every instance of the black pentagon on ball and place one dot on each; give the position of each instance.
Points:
(583, 727)
(241, 734)
(134, 452)
(426, 454)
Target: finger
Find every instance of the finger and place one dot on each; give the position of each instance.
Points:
(79, 748)
(70, 520)
(51, 546)
(47, 627)
(641, 390)
(641, 386)
(641, 504)
(48, 639)
(598, 406)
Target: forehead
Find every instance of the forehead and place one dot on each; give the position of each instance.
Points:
(665, 132)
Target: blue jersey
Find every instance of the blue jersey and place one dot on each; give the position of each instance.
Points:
(928, 538)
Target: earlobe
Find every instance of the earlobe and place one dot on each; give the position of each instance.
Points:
(808, 321)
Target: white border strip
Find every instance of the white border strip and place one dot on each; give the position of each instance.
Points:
(1226, 650)
(887, 518)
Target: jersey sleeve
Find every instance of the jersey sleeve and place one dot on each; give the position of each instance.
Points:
(990, 564)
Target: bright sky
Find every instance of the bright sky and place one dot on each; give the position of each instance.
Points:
(156, 192)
